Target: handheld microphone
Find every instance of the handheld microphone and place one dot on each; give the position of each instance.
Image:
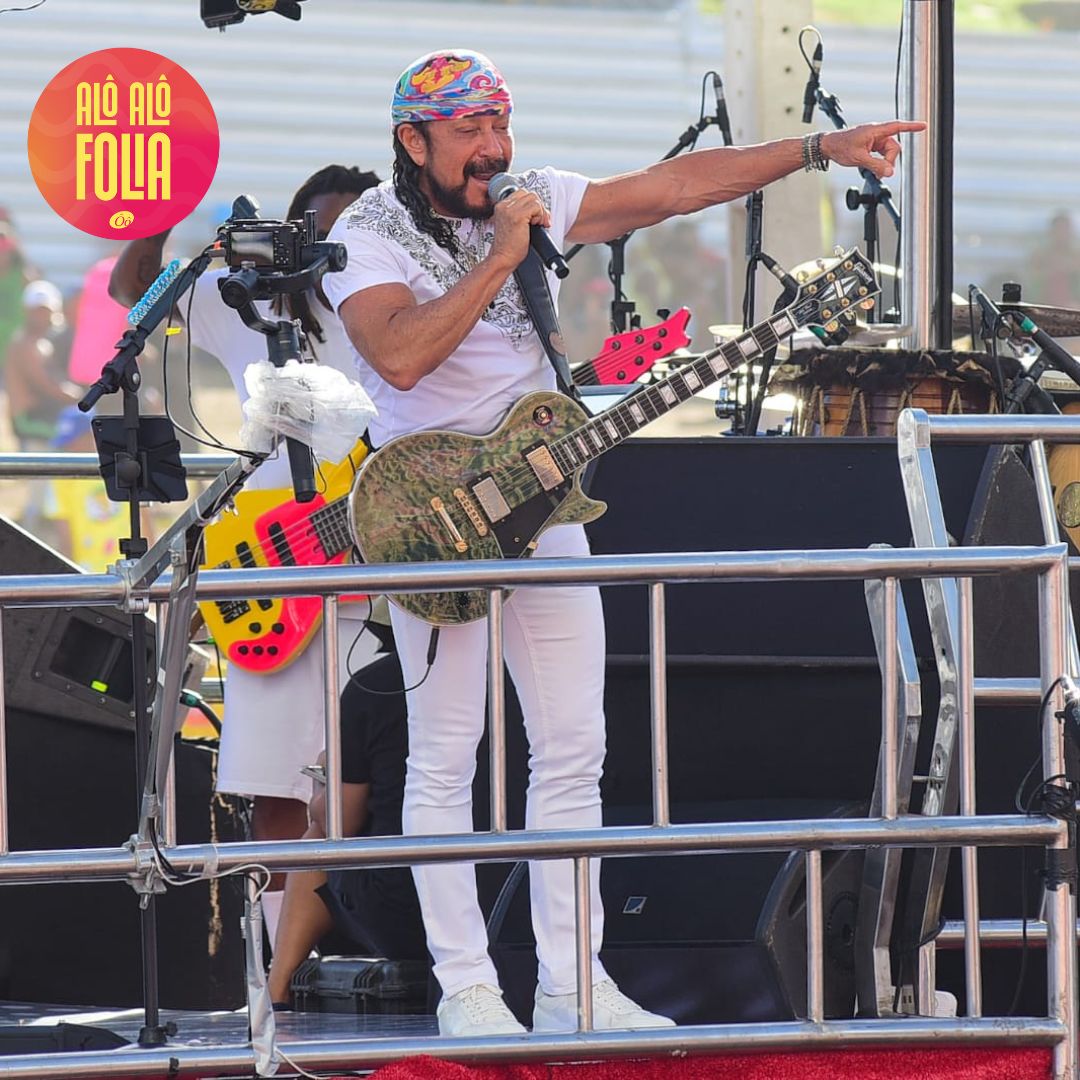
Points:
(722, 120)
(502, 185)
(812, 84)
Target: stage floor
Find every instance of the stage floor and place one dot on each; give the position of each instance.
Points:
(219, 1028)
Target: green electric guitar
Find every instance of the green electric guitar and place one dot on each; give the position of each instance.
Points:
(443, 496)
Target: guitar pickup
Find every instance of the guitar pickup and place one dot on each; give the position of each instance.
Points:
(491, 499)
(543, 464)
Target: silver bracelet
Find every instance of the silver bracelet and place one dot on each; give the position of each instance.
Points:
(814, 159)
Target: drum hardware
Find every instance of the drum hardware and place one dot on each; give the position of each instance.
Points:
(1058, 321)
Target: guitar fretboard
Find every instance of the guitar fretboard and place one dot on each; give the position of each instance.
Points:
(610, 427)
(331, 525)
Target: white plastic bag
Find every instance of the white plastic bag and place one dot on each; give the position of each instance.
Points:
(318, 405)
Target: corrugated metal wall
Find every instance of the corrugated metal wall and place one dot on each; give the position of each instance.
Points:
(598, 89)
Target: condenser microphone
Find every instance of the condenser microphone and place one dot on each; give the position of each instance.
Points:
(722, 120)
(812, 84)
(501, 186)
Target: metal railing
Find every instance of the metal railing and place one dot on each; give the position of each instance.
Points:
(949, 603)
(889, 829)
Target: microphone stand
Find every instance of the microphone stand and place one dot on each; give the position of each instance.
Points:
(755, 222)
(133, 469)
(623, 315)
(874, 193)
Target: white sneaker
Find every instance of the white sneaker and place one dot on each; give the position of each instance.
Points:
(612, 1009)
(477, 1010)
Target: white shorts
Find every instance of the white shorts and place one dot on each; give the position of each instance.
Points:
(274, 725)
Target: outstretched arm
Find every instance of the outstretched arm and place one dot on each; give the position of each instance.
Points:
(139, 263)
(683, 185)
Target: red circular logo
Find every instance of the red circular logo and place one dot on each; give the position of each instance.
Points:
(123, 143)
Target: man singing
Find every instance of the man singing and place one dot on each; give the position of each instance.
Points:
(430, 302)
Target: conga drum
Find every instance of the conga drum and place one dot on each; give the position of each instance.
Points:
(842, 391)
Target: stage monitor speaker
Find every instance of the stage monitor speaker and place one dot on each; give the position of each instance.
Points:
(72, 785)
(705, 938)
(762, 494)
(59, 1038)
(72, 661)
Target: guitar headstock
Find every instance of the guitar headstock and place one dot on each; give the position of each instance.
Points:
(836, 293)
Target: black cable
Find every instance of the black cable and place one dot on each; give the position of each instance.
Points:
(433, 645)
(4, 11)
(813, 30)
(1023, 806)
(907, 953)
(193, 700)
(215, 443)
(701, 110)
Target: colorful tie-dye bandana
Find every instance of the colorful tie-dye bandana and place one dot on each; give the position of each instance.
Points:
(448, 86)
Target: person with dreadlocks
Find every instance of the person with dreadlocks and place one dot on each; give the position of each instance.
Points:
(431, 304)
(274, 723)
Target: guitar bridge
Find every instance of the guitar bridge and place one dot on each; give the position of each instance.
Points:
(459, 540)
(471, 511)
(543, 464)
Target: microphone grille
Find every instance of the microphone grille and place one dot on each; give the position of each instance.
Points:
(501, 185)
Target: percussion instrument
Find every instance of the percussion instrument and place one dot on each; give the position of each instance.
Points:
(853, 391)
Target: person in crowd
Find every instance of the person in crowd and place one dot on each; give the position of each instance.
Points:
(15, 275)
(430, 303)
(36, 392)
(273, 724)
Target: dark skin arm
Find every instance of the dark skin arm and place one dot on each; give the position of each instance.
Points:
(139, 263)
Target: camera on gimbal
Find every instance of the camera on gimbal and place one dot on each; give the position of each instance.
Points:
(266, 258)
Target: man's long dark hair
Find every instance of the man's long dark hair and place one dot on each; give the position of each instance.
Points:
(331, 180)
(407, 189)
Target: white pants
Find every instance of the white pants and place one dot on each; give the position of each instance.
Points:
(554, 647)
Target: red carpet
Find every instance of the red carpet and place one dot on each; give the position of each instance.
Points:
(1021, 1063)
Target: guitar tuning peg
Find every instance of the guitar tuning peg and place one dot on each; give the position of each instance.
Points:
(837, 250)
(832, 326)
(867, 304)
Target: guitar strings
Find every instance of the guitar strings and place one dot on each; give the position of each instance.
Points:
(304, 534)
(514, 474)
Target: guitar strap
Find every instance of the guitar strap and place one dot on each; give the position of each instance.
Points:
(532, 280)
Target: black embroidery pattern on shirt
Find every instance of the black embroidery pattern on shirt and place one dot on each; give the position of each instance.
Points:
(378, 211)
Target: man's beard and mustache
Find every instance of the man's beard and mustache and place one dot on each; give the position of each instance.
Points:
(452, 200)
